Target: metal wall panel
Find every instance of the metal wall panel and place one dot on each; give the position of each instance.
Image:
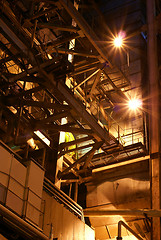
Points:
(5, 163)
(64, 224)
(35, 178)
(33, 194)
(68, 222)
(89, 233)
(14, 202)
(79, 230)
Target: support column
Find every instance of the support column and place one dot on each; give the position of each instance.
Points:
(50, 163)
(154, 119)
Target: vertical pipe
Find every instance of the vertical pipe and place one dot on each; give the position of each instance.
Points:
(43, 157)
(119, 231)
(33, 33)
(154, 129)
(70, 190)
(19, 118)
(26, 151)
(76, 192)
(121, 223)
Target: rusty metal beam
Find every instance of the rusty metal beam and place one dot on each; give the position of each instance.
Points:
(115, 149)
(104, 22)
(76, 149)
(75, 142)
(52, 118)
(114, 86)
(92, 37)
(39, 104)
(14, 56)
(27, 92)
(86, 79)
(32, 70)
(58, 27)
(82, 159)
(90, 34)
(14, 38)
(80, 109)
(39, 14)
(97, 78)
(58, 42)
(85, 70)
(123, 213)
(120, 164)
(97, 146)
(74, 52)
(62, 128)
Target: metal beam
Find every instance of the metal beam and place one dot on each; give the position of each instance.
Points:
(74, 52)
(59, 42)
(96, 146)
(32, 70)
(41, 13)
(80, 109)
(82, 159)
(123, 213)
(80, 140)
(58, 27)
(61, 128)
(14, 38)
(120, 164)
(76, 149)
(53, 118)
(94, 84)
(114, 86)
(154, 116)
(87, 30)
(86, 79)
(27, 92)
(39, 104)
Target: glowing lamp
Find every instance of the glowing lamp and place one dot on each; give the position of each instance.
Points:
(134, 104)
(118, 41)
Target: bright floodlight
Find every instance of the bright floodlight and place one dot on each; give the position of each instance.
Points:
(118, 41)
(134, 104)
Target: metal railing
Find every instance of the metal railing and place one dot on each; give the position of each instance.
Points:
(62, 198)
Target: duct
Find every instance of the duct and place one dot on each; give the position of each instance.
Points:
(21, 224)
(121, 223)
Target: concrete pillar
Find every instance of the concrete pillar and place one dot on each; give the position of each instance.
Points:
(154, 133)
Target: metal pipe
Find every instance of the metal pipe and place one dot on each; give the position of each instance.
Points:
(121, 223)
(21, 224)
(76, 192)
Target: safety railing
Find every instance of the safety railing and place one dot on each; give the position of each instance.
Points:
(62, 198)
